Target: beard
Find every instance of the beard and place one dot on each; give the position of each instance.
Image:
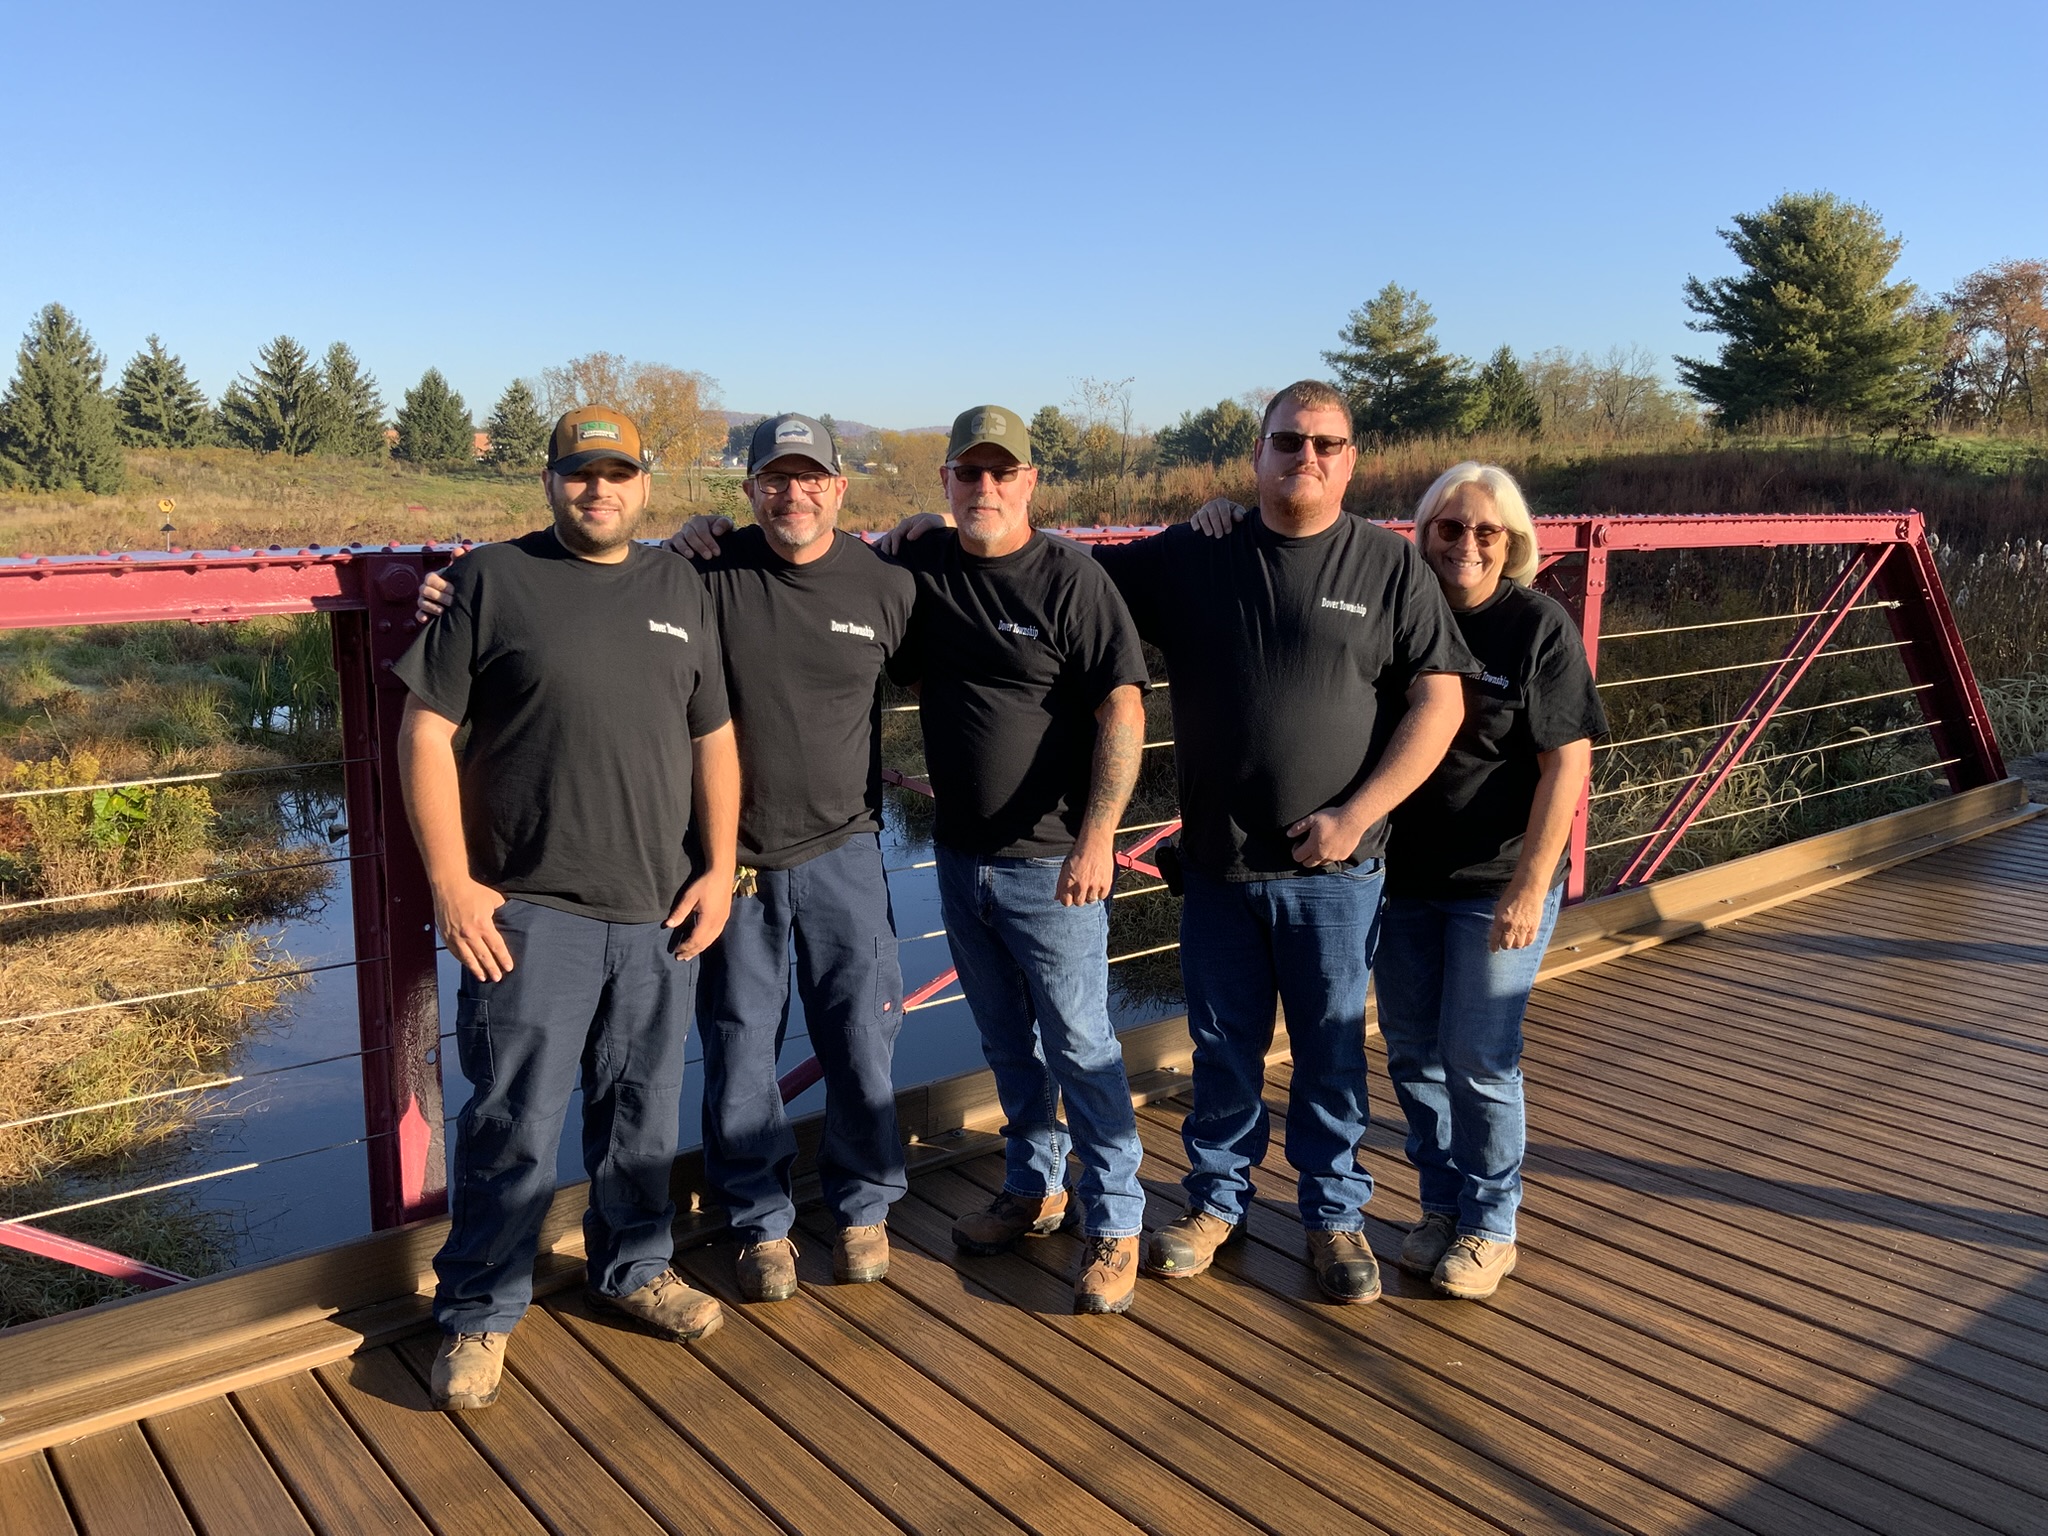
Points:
(591, 542)
(791, 537)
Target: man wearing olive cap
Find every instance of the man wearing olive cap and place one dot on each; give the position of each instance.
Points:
(581, 858)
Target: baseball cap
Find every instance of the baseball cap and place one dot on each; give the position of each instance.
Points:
(993, 425)
(594, 432)
(803, 437)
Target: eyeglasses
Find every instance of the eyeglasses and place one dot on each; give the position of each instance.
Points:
(971, 474)
(811, 481)
(1290, 442)
(1450, 531)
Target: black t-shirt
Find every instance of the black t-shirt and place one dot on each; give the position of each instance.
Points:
(1016, 654)
(583, 685)
(805, 646)
(1460, 834)
(1291, 660)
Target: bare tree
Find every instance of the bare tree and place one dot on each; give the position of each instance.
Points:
(676, 409)
(2000, 341)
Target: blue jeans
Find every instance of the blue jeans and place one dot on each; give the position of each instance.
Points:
(1304, 943)
(836, 907)
(1036, 975)
(606, 1002)
(1451, 1013)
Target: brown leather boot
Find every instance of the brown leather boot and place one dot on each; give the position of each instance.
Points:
(666, 1306)
(767, 1271)
(861, 1254)
(1009, 1217)
(1345, 1267)
(1109, 1275)
(1183, 1249)
(467, 1369)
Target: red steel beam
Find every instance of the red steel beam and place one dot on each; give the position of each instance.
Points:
(101, 1261)
(1934, 655)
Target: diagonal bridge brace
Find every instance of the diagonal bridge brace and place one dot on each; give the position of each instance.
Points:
(1662, 840)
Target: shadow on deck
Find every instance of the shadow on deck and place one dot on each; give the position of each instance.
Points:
(1784, 1268)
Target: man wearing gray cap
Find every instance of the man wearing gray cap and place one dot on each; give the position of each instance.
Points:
(814, 615)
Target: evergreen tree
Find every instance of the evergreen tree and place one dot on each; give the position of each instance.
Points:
(58, 426)
(1223, 432)
(1502, 400)
(160, 406)
(434, 425)
(519, 433)
(351, 411)
(1055, 442)
(1814, 322)
(280, 405)
(1400, 383)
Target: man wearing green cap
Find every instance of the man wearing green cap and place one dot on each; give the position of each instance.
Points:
(1030, 679)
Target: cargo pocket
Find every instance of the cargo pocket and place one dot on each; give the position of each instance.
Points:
(888, 984)
(473, 1039)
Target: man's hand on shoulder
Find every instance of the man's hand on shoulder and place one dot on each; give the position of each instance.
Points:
(1217, 517)
(915, 526)
(436, 592)
(700, 913)
(700, 535)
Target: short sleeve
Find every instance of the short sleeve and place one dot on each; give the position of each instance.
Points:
(708, 708)
(1426, 637)
(1564, 705)
(440, 664)
(1102, 648)
(1134, 568)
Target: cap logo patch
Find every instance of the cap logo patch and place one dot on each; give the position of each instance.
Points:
(989, 424)
(607, 430)
(793, 432)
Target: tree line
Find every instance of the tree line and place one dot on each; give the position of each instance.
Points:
(62, 427)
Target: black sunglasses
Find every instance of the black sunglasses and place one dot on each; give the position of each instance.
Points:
(1290, 442)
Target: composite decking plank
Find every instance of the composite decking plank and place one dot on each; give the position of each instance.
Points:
(640, 1451)
(1680, 1448)
(340, 1487)
(777, 1472)
(536, 1457)
(1174, 1427)
(114, 1487)
(983, 1455)
(227, 1486)
(447, 1480)
(898, 1478)
(30, 1502)
(1118, 1473)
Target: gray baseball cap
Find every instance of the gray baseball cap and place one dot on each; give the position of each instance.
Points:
(801, 436)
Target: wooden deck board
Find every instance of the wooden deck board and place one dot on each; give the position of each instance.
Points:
(1784, 1269)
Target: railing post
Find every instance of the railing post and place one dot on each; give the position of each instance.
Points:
(1934, 655)
(397, 998)
(1585, 605)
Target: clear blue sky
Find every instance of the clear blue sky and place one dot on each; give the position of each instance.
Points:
(890, 212)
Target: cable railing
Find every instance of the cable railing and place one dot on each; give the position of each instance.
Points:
(402, 1044)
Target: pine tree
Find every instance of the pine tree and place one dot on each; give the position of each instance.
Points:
(58, 426)
(1400, 383)
(1814, 322)
(351, 411)
(1055, 442)
(434, 425)
(159, 404)
(517, 430)
(280, 409)
(1502, 400)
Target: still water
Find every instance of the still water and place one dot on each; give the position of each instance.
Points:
(303, 1124)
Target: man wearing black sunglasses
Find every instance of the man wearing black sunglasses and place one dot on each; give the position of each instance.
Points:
(1316, 682)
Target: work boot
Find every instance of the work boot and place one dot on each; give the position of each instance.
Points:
(1183, 1249)
(666, 1306)
(1473, 1267)
(767, 1271)
(467, 1368)
(1109, 1275)
(861, 1254)
(1423, 1248)
(1007, 1218)
(1345, 1267)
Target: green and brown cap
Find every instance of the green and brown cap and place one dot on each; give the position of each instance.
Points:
(993, 425)
(582, 437)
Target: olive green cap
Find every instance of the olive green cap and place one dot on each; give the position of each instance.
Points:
(993, 425)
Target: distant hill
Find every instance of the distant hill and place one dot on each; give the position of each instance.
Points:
(848, 431)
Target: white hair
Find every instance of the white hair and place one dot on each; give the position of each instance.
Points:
(1508, 505)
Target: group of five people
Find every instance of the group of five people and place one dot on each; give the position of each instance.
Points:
(673, 777)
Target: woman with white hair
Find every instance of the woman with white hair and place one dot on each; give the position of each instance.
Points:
(1475, 876)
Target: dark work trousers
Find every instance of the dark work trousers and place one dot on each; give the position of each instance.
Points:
(606, 1002)
(836, 907)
